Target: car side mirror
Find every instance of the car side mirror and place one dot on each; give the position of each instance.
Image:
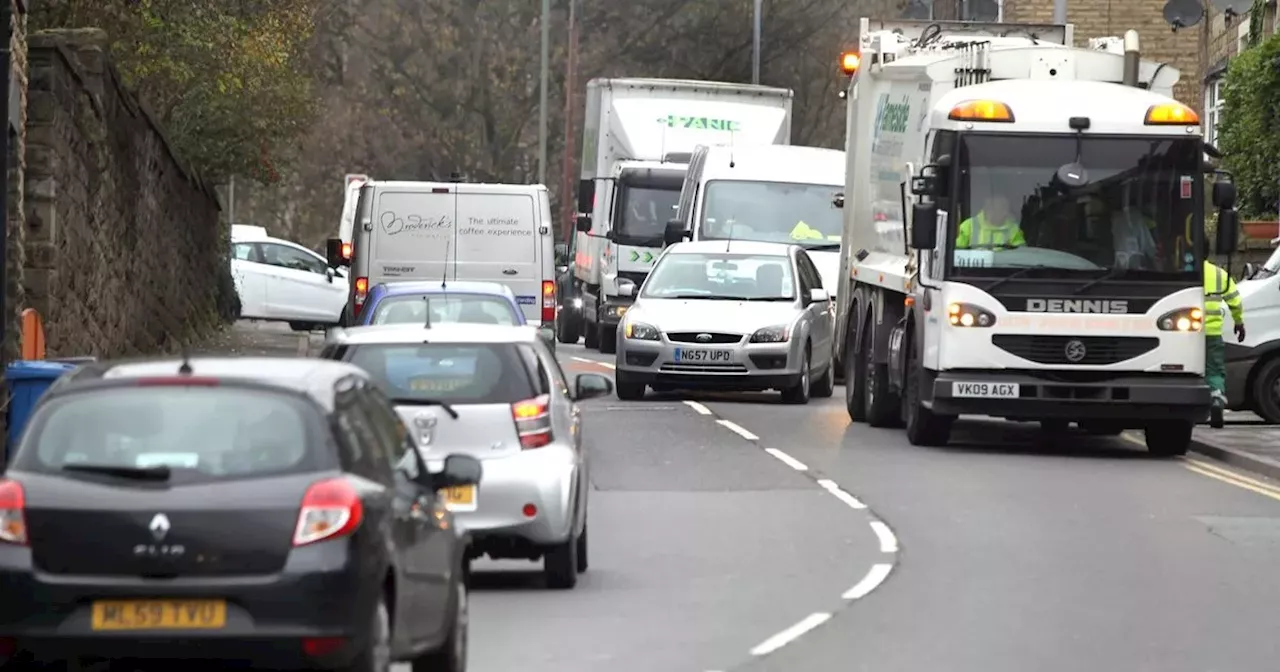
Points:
(838, 200)
(1224, 194)
(1249, 270)
(924, 226)
(328, 274)
(583, 223)
(458, 470)
(674, 232)
(626, 287)
(590, 386)
(562, 253)
(333, 252)
(1228, 233)
(818, 295)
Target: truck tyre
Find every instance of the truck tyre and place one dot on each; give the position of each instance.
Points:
(608, 339)
(1169, 438)
(854, 374)
(883, 407)
(568, 326)
(590, 334)
(1266, 390)
(924, 428)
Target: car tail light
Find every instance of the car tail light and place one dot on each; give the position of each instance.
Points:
(13, 521)
(331, 508)
(533, 421)
(362, 291)
(548, 302)
(346, 251)
(322, 646)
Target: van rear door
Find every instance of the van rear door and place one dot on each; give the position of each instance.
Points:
(498, 241)
(413, 229)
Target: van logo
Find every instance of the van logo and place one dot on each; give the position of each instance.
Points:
(1077, 306)
(893, 117)
(700, 123)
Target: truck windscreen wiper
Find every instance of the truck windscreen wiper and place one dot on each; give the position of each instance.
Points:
(159, 472)
(1109, 275)
(1016, 274)
(410, 401)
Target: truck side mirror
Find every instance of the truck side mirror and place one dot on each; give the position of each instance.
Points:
(1228, 232)
(838, 200)
(1224, 195)
(333, 252)
(924, 226)
(562, 253)
(583, 223)
(674, 232)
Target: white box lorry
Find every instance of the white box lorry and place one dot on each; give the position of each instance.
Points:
(1051, 268)
(638, 136)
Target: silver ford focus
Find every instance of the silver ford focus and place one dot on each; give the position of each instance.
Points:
(737, 315)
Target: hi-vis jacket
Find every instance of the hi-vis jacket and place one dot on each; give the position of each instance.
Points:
(1219, 288)
(1009, 233)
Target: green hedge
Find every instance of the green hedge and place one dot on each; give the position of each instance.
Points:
(1249, 130)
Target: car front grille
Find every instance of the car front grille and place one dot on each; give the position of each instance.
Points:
(692, 337)
(1087, 350)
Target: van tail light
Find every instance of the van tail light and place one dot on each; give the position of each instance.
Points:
(533, 421)
(346, 251)
(331, 508)
(362, 291)
(548, 301)
(13, 520)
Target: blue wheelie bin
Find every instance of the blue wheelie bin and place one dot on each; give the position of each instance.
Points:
(27, 381)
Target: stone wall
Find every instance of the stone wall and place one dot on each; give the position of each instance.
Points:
(15, 228)
(124, 253)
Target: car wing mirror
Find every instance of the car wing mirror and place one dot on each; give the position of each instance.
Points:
(590, 386)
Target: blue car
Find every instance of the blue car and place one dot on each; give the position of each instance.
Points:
(470, 302)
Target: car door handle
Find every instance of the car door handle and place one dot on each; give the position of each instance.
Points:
(509, 271)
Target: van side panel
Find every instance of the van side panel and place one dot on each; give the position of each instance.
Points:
(498, 240)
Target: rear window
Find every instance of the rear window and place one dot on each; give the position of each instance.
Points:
(466, 308)
(200, 433)
(481, 373)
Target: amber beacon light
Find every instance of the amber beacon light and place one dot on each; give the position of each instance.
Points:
(849, 62)
(1171, 114)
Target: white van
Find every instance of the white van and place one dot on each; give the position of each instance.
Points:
(454, 231)
(1253, 367)
(770, 193)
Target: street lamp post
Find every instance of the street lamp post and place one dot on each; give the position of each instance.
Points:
(542, 91)
(755, 42)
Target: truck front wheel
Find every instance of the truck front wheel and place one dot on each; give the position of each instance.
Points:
(924, 428)
(1169, 438)
(568, 327)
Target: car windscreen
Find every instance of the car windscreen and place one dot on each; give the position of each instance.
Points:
(721, 276)
(200, 433)
(447, 308)
(470, 373)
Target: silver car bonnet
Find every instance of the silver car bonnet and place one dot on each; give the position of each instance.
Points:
(735, 317)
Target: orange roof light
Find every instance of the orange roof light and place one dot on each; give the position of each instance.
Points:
(849, 62)
(1171, 114)
(981, 110)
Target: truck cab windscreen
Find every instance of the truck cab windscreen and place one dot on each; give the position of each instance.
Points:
(775, 212)
(1134, 217)
(644, 213)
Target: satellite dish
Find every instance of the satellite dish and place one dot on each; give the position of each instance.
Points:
(1183, 13)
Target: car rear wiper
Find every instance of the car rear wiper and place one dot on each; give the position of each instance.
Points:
(826, 247)
(160, 472)
(405, 401)
(1109, 275)
(1016, 274)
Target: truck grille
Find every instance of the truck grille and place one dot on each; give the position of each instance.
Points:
(692, 337)
(1096, 350)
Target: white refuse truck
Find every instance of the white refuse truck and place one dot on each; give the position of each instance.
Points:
(1050, 268)
(638, 136)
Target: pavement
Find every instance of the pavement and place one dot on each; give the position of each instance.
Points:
(734, 533)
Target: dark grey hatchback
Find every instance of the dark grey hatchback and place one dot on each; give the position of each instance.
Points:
(271, 513)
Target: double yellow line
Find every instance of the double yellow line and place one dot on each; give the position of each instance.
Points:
(1233, 478)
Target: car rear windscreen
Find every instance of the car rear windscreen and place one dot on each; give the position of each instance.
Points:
(472, 373)
(444, 309)
(201, 433)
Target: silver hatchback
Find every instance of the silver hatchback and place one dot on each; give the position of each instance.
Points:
(497, 393)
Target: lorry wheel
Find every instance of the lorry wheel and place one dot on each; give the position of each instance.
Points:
(924, 428)
(1169, 438)
(854, 376)
(608, 339)
(590, 335)
(567, 328)
(1266, 391)
(883, 407)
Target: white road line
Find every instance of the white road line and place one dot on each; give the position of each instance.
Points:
(787, 459)
(888, 542)
(702, 410)
(738, 429)
(875, 576)
(831, 487)
(790, 634)
(607, 365)
(584, 359)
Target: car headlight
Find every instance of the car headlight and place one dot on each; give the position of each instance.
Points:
(1182, 319)
(775, 334)
(639, 331)
(969, 315)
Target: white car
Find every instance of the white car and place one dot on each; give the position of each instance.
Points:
(284, 281)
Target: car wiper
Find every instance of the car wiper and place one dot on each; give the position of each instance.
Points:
(1016, 274)
(1109, 275)
(405, 401)
(769, 298)
(158, 472)
(827, 247)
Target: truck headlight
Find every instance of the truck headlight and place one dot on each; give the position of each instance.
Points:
(775, 334)
(639, 331)
(969, 315)
(1182, 319)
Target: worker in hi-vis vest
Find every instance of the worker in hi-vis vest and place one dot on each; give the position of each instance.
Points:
(1219, 289)
(991, 226)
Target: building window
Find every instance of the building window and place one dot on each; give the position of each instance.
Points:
(1212, 110)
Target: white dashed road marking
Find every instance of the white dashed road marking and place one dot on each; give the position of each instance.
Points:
(888, 542)
(790, 634)
(873, 579)
(839, 493)
(738, 429)
(584, 359)
(702, 410)
(787, 459)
